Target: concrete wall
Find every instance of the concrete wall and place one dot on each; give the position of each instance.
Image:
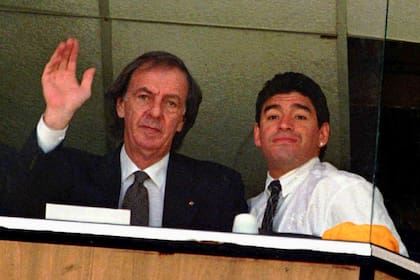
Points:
(366, 19)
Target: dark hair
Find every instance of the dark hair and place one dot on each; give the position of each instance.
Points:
(153, 59)
(285, 83)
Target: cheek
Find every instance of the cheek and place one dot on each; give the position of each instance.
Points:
(267, 132)
(131, 112)
(312, 137)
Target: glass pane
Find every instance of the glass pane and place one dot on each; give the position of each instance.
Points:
(384, 104)
(398, 175)
(365, 49)
(366, 82)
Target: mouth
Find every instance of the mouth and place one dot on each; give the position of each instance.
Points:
(284, 140)
(150, 129)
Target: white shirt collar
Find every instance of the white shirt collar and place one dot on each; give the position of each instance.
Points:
(156, 172)
(293, 178)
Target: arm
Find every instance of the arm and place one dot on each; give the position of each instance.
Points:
(360, 215)
(8, 166)
(63, 95)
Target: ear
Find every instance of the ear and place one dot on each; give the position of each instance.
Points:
(120, 107)
(180, 124)
(257, 139)
(324, 134)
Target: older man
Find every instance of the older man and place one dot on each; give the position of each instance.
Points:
(154, 102)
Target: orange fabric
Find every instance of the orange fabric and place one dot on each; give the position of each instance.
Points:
(376, 234)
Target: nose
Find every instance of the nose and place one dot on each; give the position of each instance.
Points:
(155, 108)
(285, 122)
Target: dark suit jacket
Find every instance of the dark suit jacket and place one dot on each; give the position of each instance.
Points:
(9, 166)
(6, 164)
(13, 182)
(198, 194)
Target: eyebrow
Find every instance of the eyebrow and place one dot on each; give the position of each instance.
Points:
(148, 91)
(143, 89)
(294, 105)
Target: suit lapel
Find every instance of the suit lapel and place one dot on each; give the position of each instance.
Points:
(179, 208)
(179, 205)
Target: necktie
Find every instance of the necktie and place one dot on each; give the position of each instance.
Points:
(270, 210)
(137, 200)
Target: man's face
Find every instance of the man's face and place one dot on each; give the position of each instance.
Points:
(153, 110)
(288, 132)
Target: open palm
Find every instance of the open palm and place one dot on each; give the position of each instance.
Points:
(63, 93)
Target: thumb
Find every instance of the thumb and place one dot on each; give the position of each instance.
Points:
(87, 78)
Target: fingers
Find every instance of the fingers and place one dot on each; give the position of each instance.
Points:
(60, 71)
(69, 52)
(64, 57)
(55, 59)
(72, 58)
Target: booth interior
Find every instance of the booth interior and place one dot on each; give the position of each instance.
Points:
(364, 54)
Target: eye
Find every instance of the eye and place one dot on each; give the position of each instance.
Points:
(301, 117)
(271, 117)
(143, 96)
(171, 103)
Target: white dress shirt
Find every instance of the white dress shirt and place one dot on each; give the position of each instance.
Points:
(155, 185)
(49, 139)
(317, 196)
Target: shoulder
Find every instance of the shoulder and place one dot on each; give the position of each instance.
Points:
(327, 171)
(332, 184)
(197, 165)
(203, 173)
(257, 201)
(67, 158)
(328, 178)
(74, 154)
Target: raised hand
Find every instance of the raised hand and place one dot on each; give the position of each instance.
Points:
(63, 93)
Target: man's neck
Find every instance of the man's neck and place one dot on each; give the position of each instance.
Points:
(278, 171)
(143, 160)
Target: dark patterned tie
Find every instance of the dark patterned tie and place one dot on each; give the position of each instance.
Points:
(270, 210)
(137, 200)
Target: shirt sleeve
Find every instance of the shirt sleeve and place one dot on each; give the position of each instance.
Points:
(48, 139)
(361, 203)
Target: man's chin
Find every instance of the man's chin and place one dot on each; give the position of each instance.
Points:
(286, 157)
(151, 143)
(156, 142)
